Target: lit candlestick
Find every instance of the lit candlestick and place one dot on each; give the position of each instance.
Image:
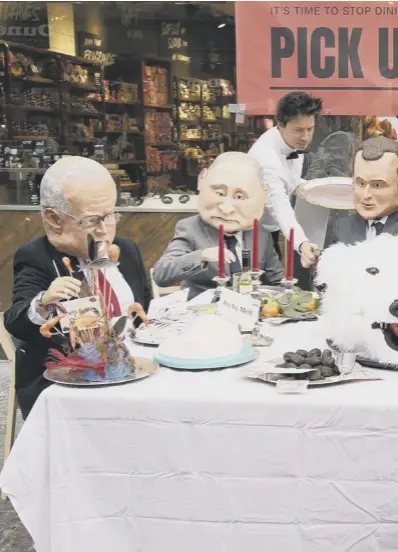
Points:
(221, 255)
(255, 254)
(290, 256)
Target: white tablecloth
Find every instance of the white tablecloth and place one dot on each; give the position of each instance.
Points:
(210, 462)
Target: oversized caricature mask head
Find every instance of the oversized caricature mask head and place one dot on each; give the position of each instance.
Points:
(77, 198)
(376, 178)
(231, 192)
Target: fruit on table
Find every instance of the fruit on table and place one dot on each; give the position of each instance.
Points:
(270, 309)
(322, 361)
(302, 302)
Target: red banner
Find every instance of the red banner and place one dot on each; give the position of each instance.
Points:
(344, 52)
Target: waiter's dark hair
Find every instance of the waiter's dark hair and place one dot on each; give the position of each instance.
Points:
(296, 104)
(374, 148)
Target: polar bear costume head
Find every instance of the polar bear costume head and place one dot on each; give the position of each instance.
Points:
(360, 303)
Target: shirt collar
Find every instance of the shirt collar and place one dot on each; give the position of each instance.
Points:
(382, 220)
(280, 142)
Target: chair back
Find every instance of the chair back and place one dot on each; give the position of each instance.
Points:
(8, 345)
(158, 291)
(6, 341)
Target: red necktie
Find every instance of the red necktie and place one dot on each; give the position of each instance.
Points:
(109, 295)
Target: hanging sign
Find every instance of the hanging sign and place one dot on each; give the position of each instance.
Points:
(344, 52)
(90, 47)
(25, 22)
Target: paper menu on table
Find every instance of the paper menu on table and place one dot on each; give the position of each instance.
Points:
(160, 303)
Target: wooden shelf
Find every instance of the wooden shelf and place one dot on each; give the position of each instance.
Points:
(34, 138)
(34, 80)
(77, 113)
(23, 169)
(122, 103)
(133, 132)
(160, 144)
(33, 108)
(148, 106)
(78, 86)
(131, 162)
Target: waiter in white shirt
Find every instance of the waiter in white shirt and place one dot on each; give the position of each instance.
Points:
(280, 151)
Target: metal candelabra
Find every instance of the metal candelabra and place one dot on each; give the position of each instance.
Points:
(286, 297)
(222, 282)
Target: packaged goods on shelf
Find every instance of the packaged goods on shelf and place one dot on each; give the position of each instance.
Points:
(156, 85)
(189, 112)
(161, 160)
(158, 127)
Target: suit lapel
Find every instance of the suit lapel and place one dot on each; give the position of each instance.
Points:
(359, 233)
(211, 234)
(57, 265)
(391, 225)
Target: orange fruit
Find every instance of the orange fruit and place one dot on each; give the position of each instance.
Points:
(270, 310)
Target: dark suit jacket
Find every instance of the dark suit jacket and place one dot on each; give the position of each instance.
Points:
(33, 272)
(352, 228)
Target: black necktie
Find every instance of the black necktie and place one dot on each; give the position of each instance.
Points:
(231, 242)
(378, 226)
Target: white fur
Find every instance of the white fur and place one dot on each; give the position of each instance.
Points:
(354, 299)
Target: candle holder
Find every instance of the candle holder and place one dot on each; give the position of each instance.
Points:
(222, 282)
(258, 339)
(286, 297)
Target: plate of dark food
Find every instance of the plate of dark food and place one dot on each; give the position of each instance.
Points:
(317, 367)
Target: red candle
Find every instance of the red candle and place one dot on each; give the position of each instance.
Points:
(255, 255)
(290, 256)
(221, 256)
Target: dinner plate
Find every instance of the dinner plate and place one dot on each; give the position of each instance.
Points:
(67, 376)
(331, 192)
(247, 355)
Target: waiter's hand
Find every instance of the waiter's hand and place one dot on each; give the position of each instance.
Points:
(211, 255)
(309, 253)
(62, 288)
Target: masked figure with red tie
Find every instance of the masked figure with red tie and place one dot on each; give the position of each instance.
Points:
(231, 193)
(77, 200)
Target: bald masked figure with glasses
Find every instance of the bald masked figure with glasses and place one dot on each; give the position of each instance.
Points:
(77, 198)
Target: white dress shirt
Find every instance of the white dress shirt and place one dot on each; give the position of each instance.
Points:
(282, 176)
(371, 230)
(114, 277)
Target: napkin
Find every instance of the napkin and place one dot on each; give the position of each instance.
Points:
(177, 298)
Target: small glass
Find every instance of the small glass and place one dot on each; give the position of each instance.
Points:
(235, 281)
(345, 362)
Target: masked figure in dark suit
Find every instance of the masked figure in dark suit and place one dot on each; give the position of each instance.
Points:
(77, 197)
(231, 194)
(375, 193)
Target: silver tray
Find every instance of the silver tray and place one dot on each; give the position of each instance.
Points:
(66, 376)
(358, 374)
(145, 342)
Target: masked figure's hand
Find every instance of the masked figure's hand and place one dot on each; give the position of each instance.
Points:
(211, 255)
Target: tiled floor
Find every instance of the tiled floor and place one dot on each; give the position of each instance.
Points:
(13, 537)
